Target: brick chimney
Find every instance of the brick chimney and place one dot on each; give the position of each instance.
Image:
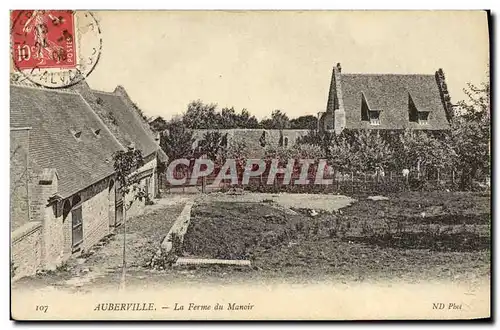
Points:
(339, 120)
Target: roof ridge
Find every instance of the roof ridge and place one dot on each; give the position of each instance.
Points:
(144, 125)
(32, 86)
(101, 121)
(103, 92)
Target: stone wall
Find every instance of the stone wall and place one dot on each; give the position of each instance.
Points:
(97, 203)
(46, 241)
(26, 242)
(53, 239)
(146, 175)
(252, 138)
(95, 213)
(19, 206)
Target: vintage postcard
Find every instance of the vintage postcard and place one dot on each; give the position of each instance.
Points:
(250, 165)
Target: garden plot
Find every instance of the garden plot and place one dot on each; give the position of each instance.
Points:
(432, 235)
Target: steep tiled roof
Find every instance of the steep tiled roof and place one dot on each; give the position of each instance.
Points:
(389, 93)
(55, 116)
(130, 128)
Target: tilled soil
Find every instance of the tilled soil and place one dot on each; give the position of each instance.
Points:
(431, 235)
(228, 230)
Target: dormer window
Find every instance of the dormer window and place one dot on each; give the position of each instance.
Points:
(368, 114)
(423, 117)
(96, 132)
(76, 134)
(374, 118)
(419, 115)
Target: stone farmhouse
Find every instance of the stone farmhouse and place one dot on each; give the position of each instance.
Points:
(64, 197)
(387, 102)
(367, 101)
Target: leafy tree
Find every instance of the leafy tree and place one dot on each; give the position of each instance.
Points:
(471, 135)
(240, 152)
(201, 116)
(341, 154)
(206, 116)
(213, 145)
(278, 120)
(322, 139)
(304, 122)
(266, 123)
(307, 151)
(245, 120)
(278, 152)
(125, 163)
(159, 124)
(237, 149)
(422, 151)
(360, 150)
(178, 141)
(228, 118)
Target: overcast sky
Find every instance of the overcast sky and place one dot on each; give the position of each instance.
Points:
(278, 60)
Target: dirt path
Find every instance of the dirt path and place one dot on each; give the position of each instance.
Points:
(325, 202)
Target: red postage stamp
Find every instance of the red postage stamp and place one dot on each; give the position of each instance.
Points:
(54, 48)
(43, 39)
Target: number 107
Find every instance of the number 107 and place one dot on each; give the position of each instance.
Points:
(42, 308)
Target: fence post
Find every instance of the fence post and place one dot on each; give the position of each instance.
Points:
(453, 176)
(352, 181)
(438, 174)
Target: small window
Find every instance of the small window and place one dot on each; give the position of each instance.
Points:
(374, 118)
(423, 118)
(76, 134)
(76, 222)
(77, 226)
